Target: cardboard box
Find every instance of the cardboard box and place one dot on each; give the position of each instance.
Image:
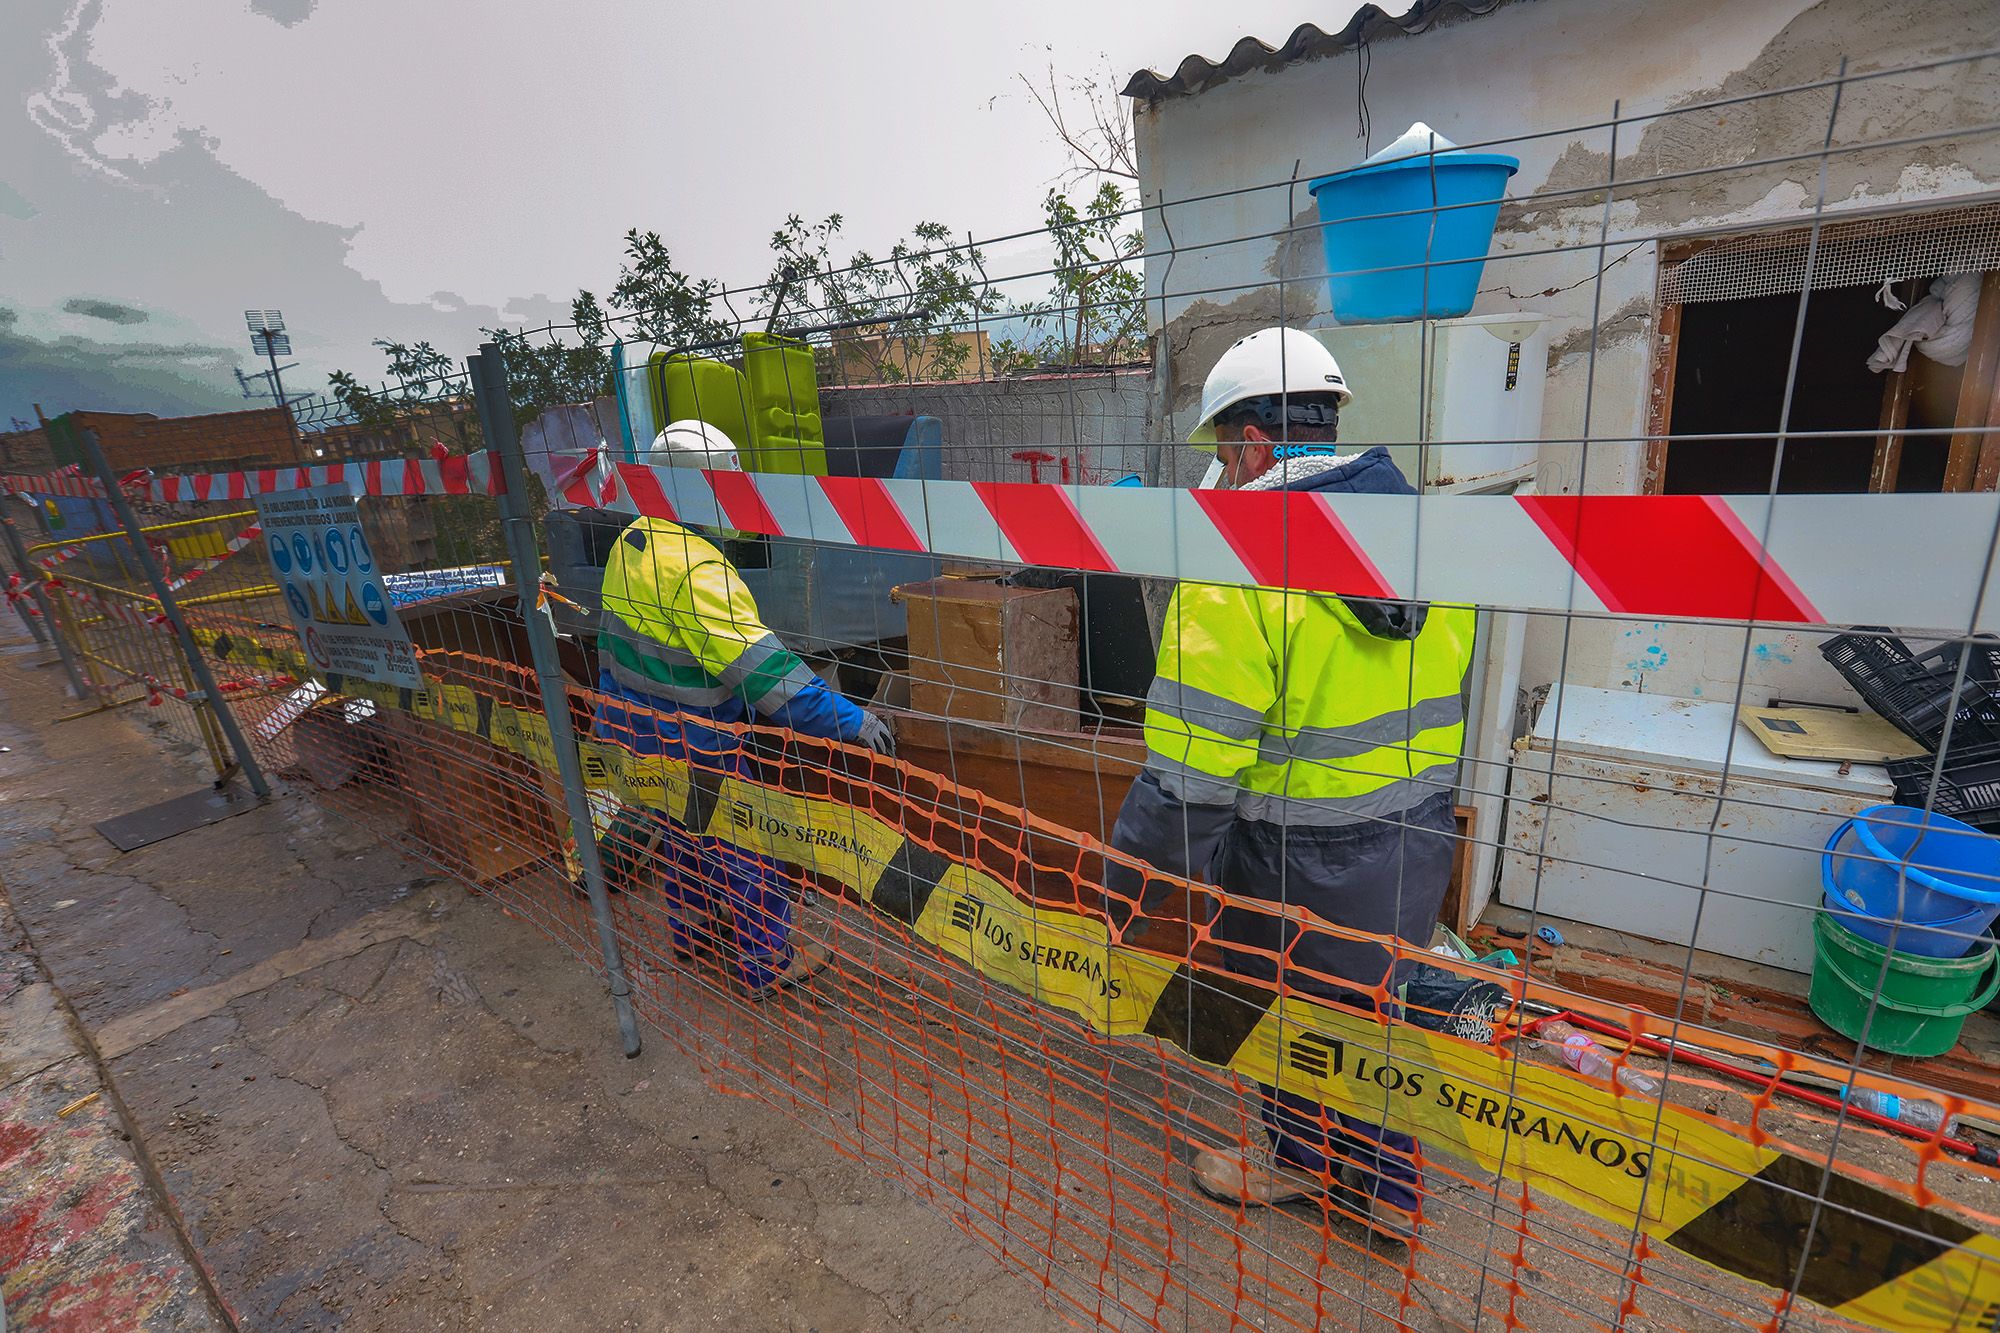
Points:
(1074, 779)
(985, 652)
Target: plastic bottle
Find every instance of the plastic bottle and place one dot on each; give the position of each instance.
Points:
(1586, 1057)
(1915, 1112)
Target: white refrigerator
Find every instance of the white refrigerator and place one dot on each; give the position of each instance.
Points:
(1618, 815)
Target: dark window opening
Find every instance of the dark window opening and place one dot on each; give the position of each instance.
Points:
(1729, 381)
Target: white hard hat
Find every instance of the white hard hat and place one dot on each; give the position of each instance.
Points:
(1267, 364)
(693, 443)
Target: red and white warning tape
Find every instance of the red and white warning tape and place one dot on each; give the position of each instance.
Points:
(113, 608)
(63, 481)
(1796, 559)
(157, 689)
(242, 539)
(20, 596)
(136, 615)
(117, 608)
(589, 481)
(470, 474)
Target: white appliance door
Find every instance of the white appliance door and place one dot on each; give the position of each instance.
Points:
(1627, 846)
(1457, 402)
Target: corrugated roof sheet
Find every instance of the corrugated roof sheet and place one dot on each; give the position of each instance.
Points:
(1307, 42)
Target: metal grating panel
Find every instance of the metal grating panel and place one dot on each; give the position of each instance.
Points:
(1867, 252)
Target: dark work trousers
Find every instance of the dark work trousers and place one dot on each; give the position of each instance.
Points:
(1387, 876)
(706, 879)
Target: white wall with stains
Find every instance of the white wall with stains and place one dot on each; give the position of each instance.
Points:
(1232, 240)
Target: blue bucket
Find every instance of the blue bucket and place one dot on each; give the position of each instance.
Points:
(1954, 938)
(1423, 261)
(1952, 867)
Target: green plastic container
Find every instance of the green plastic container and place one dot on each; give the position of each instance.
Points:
(699, 388)
(1924, 1001)
(786, 434)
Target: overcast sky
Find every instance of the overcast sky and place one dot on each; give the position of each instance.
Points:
(384, 168)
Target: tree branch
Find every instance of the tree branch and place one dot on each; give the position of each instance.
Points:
(1105, 148)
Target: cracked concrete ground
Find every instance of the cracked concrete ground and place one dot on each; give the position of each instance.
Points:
(86, 1241)
(379, 1103)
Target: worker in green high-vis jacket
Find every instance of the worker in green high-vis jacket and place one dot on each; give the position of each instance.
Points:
(683, 654)
(1302, 753)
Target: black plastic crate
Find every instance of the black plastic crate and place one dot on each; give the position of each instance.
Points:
(1968, 789)
(1984, 662)
(1913, 690)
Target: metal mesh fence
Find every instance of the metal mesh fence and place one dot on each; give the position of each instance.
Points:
(104, 607)
(1615, 1109)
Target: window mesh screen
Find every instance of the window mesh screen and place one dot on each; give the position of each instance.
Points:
(1869, 251)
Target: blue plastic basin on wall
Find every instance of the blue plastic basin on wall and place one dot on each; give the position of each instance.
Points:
(1407, 239)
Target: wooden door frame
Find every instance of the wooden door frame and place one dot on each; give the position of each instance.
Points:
(1973, 463)
(1660, 385)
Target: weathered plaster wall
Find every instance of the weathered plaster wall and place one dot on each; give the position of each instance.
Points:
(1532, 71)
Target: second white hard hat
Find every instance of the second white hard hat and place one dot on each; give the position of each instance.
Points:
(1265, 364)
(693, 443)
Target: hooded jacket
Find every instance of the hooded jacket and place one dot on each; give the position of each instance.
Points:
(681, 637)
(1302, 749)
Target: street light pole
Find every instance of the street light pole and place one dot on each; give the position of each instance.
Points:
(267, 335)
(278, 385)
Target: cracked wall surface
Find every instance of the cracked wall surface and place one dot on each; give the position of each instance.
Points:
(1528, 70)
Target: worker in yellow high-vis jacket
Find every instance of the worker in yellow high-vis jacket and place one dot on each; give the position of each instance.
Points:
(682, 653)
(1302, 752)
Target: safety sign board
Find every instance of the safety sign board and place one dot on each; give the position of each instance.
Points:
(346, 623)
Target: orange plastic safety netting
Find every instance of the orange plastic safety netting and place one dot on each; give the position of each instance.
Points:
(1045, 1061)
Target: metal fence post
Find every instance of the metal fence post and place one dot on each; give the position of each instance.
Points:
(503, 442)
(36, 589)
(197, 665)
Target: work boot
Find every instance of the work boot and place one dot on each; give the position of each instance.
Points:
(1233, 1178)
(1380, 1216)
(808, 957)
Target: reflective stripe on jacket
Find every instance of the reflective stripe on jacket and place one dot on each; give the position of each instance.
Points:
(1288, 706)
(680, 625)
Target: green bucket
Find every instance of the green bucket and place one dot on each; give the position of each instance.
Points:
(1924, 1000)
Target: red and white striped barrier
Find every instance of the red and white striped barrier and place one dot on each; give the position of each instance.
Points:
(63, 481)
(589, 481)
(62, 556)
(1791, 559)
(242, 539)
(470, 474)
